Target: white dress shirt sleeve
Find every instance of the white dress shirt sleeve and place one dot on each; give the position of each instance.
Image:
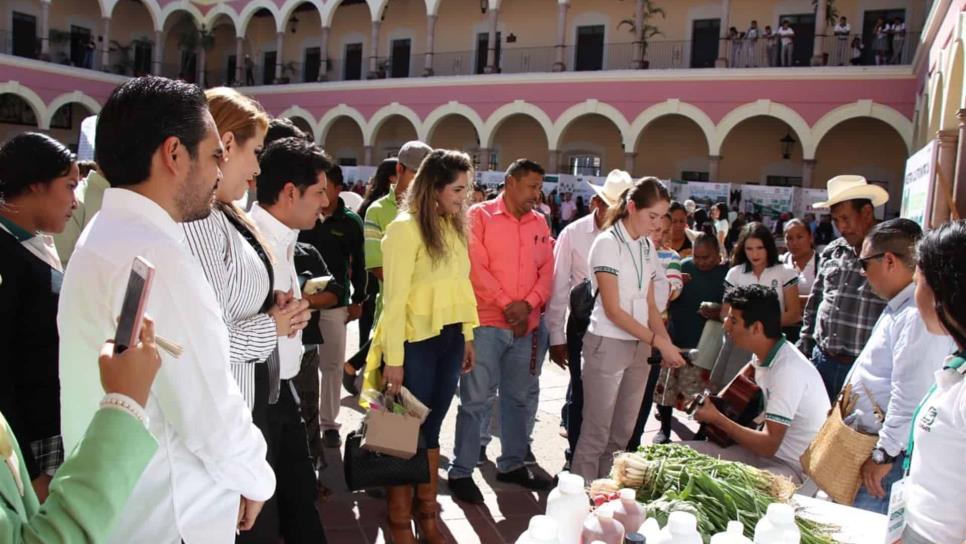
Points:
(917, 354)
(196, 393)
(560, 293)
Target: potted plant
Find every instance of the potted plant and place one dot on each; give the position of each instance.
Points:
(647, 31)
(289, 70)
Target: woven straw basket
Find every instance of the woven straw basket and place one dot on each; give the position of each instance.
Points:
(834, 459)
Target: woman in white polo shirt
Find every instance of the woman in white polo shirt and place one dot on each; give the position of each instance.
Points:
(624, 325)
(755, 261)
(935, 481)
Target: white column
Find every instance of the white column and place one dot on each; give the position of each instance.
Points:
(491, 66)
(374, 50)
(714, 167)
(430, 44)
(724, 43)
(945, 168)
(202, 62)
(367, 155)
(820, 27)
(484, 155)
(44, 27)
(279, 43)
(106, 35)
(959, 186)
(629, 159)
(560, 48)
(239, 75)
(553, 162)
(157, 52)
(324, 54)
(808, 172)
(638, 62)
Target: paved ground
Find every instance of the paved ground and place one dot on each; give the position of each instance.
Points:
(352, 518)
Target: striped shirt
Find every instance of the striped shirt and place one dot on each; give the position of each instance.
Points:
(842, 309)
(241, 284)
(669, 278)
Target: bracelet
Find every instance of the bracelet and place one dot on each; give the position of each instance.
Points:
(124, 403)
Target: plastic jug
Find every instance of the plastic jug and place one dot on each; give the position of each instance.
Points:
(602, 526)
(734, 535)
(651, 530)
(568, 505)
(627, 511)
(778, 526)
(542, 530)
(682, 528)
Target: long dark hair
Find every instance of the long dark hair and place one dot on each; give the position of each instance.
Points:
(379, 185)
(439, 169)
(942, 263)
(31, 158)
(645, 193)
(759, 232)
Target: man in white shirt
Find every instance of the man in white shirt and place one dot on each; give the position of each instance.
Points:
(159, 147)
(795, 401)
(291, 190)
(568, 209)
(787, 36)
(841, 31)
(898, 40)
(570, 255)
(898, 363)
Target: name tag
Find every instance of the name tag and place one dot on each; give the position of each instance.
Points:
(897, 513)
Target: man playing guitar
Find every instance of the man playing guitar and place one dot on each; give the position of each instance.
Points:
(795, 401)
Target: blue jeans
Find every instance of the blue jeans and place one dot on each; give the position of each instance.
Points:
(432, 370)
(502, 364)
(533, 396)
(864, 501)
(833, 373)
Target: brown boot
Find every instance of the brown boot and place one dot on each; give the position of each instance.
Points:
(400, 502)
(427, 509)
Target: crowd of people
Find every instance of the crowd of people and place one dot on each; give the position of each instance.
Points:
(213, 428)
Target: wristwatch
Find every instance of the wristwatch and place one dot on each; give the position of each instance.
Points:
(880, 457)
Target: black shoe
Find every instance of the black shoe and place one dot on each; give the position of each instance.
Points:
(523, 477)
(662, 438)
(465, 490)
(482, 460)
(331, 439)
(529, 460)
(349, 383)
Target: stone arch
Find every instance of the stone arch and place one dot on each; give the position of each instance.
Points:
(591, 106)
(432, 7)
(252, 8)
(385, 112)
(329, 10)
(425, 131)
(671, 107)
(506, 111)
(935, 105)
(185, 6)
(75, 97)
(289, 8)
(298, 112)
(342, 110)
(769, 109)
(223, 10)
(863, 108)
(953, 93)
(153, 9)
(30, 97)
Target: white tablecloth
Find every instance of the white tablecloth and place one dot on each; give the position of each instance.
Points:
(855, 526)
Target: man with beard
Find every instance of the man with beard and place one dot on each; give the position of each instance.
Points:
(158, 146)
(511, 260)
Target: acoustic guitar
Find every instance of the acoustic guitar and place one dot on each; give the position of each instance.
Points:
(740, 401)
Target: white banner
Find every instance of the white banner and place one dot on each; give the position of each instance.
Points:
(917, 186)
(805, 198)
(767, 201)
(85, 140)
(701, 192)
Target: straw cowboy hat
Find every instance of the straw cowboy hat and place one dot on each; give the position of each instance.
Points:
(614, 186)
(845, 188)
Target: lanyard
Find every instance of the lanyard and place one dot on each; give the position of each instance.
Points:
(955, 363)
(638, 269)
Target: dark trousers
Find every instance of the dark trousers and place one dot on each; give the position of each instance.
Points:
(646, 404)
(574, 406)
(358, 361)
(833, 372)
(368, 318)
(432, 370)
(307, 385)
(291, 512)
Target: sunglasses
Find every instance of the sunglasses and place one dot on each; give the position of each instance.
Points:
(864, 261)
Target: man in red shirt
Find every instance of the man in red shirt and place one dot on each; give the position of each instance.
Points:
(511, 257)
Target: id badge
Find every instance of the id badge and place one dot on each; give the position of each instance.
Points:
(639, 309)
(897, 513)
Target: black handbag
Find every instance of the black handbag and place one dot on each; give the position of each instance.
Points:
(364, 469)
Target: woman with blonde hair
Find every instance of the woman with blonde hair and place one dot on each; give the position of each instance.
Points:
(238, 265)
(424, 337)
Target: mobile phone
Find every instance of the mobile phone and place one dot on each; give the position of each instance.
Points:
(135, 301)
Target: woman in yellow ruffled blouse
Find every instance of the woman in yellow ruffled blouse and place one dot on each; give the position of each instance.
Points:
(424, 337)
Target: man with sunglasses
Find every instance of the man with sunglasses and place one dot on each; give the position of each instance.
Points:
(842, 309)
(897, 366)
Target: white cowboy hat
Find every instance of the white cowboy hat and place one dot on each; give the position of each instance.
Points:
(845, 188)
(614, 186)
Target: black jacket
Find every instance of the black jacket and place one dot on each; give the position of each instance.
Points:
(339, 240)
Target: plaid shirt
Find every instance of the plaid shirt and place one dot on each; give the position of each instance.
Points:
(842, 309)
